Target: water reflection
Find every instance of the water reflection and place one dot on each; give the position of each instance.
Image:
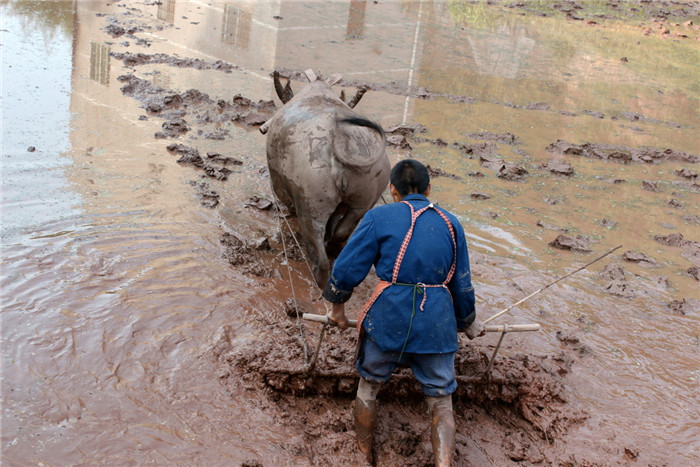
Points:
(502, 53)
(356, 19)
(113, 309)
(166, 11)
(36, 71)
(50, 19)
(99, 63)
(236, 27)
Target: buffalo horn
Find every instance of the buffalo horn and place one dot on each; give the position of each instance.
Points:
(285, 94)
(360, 92)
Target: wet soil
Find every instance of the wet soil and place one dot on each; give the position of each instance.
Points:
(521, 406)
(534, 407)
(523, 393)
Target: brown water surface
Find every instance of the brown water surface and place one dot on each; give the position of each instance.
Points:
(114, 286)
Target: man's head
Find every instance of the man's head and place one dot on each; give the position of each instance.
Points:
(408, 177)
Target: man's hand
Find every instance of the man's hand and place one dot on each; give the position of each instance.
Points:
(337, 316)
(476, 329)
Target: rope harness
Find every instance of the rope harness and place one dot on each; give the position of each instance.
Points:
(420, 287)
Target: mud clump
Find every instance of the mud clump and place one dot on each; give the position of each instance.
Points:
(613, 272)
(504, 170)
(398, 141)
(617, 281)
(397, 136)
(132, 60)
(505, 138)
(687, 174)
(225, 160)
(261, 204)
(547, 226)
(675, 203)
(191, 156)
(406, 130)
(173, 128)
(485, 149)
(686, 306)
(187, 154)
(248, 255)
(207, 197)
(438, 172)
(219, 173)
(559, 167)
(690, 249)
(218, 134)
(512, 172)
(650, 186)
(674, 239)
(572, 341)
(578, 244)
(622, 154)
(158, 101)
(639, 258)
(694, 272)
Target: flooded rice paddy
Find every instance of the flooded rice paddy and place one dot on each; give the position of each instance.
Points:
(142, 297)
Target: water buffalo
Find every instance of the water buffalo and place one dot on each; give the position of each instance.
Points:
(327, 164)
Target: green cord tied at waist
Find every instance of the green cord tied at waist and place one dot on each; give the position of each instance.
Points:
(417, 289)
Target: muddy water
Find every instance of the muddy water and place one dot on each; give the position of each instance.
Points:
(115, 288)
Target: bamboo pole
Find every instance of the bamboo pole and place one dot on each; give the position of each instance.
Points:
(548, 285)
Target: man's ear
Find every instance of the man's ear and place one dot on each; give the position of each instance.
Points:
(395, 193)
(427, 191)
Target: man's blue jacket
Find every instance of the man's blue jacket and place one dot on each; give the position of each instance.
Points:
(395, 321)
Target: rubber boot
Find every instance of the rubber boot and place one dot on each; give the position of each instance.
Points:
(365, 413)
(442, 430)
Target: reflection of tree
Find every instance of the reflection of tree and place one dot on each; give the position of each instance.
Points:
(356, 19)
(236, 26)
(495, 46)
(473, 14)
(166, 11)
(409, 6)
(49, 17)
(501, 54)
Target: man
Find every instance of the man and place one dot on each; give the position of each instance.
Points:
(424, 297)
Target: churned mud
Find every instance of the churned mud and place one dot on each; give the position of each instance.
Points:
(528, 191)
(524, 394)
(519, 411)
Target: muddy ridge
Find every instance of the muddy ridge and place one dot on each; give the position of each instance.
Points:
(609, 152)
(522, 387)
(132, 60)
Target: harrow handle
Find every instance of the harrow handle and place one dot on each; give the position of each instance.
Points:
(488, 327)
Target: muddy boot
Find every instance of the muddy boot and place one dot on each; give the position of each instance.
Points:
(365, 413)
(442, 430)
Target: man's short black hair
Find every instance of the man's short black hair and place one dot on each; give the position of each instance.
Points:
(410, 176)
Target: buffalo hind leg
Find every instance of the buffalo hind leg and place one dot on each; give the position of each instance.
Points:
(312, 232)
(332, 244)
(343, 222)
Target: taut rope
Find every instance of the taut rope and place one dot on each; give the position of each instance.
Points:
(310, 360)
